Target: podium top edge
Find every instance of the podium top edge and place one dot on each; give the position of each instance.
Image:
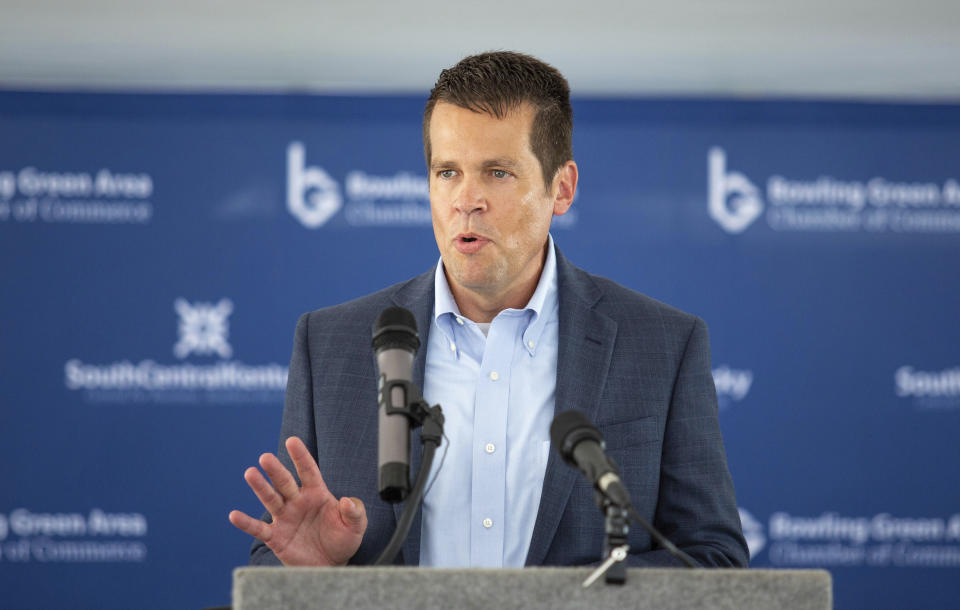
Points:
(767, 572)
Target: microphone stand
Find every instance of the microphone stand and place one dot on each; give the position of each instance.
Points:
(431, 418)
(617, 527)
(615, 547)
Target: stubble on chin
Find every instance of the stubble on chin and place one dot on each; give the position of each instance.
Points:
(474, 275)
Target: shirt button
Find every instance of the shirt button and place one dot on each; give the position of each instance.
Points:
(530, 343)
(453, 346)
(490, 448)
(460, 321)
(494, 375)
(488, 523)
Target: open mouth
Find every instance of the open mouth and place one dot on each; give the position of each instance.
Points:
(469, 243)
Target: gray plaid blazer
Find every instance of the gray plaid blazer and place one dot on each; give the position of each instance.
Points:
(639, 369)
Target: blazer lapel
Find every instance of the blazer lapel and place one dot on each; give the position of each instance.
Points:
(586, 340)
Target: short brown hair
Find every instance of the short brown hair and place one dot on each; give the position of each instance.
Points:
(499, 82)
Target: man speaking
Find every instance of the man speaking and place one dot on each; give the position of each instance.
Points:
(512, 333)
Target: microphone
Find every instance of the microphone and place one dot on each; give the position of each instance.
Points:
(581, 445)
(395, 343)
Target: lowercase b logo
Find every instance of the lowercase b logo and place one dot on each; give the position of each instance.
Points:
(312, 195)
(734, 201)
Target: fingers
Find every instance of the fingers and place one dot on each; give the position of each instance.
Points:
(281, 478)
(254, 527)
(306, 466)
(282, 487)
(353, 513)
(264, 491)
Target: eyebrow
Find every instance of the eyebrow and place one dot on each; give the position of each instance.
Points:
(443, 164)
(504, 162)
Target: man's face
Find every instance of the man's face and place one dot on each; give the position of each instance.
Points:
(491, 210)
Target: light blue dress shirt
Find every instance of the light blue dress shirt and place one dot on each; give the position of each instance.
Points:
(497, 393)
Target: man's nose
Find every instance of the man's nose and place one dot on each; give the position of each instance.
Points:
(470, 196)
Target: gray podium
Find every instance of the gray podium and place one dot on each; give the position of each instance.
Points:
(529, 588)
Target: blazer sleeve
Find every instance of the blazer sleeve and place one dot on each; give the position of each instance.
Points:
(696, 507)
(298, 421)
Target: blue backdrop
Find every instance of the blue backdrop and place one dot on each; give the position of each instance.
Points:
(158, 249)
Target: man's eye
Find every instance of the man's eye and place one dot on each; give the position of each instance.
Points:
(447, 173)
(499, 174)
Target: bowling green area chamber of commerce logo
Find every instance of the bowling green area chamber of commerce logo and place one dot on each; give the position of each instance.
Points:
(94, 536)
(831, 539)
(829, 204)
(32, 195)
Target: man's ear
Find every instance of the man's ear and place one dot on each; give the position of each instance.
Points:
(565, 187)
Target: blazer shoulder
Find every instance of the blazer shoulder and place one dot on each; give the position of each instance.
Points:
(361, 313)
(625, 304)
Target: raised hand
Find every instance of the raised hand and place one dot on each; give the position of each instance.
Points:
(310, 526)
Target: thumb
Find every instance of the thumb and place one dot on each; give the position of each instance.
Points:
(353, 513)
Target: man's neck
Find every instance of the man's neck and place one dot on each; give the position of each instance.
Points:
(483, 306)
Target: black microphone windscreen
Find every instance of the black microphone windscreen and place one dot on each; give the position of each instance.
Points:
(395, 328)
(568, 429)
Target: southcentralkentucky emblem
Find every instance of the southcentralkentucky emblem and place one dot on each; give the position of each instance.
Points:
(204, 328)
